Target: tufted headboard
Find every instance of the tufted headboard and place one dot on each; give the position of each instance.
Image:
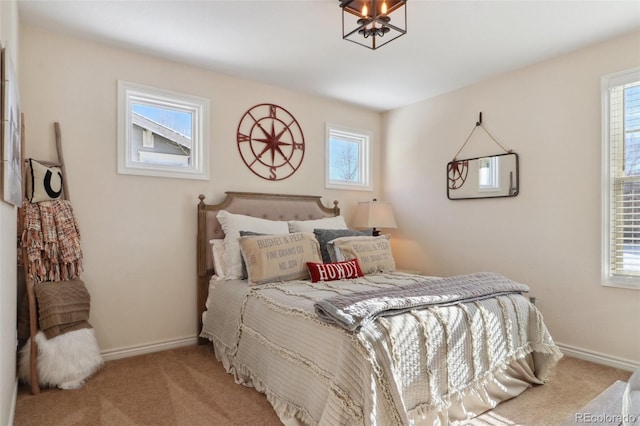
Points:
(266, 206)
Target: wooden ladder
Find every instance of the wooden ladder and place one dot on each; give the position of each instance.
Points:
(30, 281)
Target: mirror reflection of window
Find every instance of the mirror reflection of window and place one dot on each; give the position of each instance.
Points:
(488, 174)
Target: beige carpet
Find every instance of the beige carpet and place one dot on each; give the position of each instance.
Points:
(187, 386)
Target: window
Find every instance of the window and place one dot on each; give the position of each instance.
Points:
(162, 133)
(621, 169)
(347, 160)
(488, 172)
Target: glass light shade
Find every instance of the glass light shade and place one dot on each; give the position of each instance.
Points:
(373, 23)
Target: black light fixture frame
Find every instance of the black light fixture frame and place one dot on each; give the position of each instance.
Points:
(381, 23)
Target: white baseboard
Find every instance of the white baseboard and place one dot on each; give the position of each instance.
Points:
(584, 354)
(598, 358)
(148, 348)
(14, 401)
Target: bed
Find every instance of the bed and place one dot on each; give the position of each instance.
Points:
(443, 360)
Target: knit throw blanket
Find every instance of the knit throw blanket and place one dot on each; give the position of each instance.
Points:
(352, 311)
(52, 241)
(62, 307)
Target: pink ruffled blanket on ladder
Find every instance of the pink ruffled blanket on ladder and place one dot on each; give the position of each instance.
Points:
(51, 238)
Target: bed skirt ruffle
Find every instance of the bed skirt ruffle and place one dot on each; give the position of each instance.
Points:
(506, 382)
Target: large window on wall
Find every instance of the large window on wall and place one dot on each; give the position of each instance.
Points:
(348, 158)
(162, 133)
(621, 188)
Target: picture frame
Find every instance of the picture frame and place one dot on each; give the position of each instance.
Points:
(10, 132)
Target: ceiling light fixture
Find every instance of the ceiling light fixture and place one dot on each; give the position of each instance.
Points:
(368, 22)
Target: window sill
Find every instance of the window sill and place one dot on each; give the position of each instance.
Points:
(629, 285)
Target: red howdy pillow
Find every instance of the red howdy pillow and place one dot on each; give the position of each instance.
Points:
(334, 271)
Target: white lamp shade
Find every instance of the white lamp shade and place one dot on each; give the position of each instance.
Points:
(374, 214)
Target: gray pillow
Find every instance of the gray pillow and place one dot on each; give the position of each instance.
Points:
(325, 235)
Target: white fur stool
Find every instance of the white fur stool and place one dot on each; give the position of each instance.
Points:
(65, 361)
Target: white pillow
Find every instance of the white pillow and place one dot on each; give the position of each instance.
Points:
(217, 252)
(232, 224)
(336, 222)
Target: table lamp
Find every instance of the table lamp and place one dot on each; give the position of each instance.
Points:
(374, 214)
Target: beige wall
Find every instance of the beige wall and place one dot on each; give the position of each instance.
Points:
(138, 233)
(9, 35)
(549, 235)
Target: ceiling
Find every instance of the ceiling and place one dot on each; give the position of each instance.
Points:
(297, 44)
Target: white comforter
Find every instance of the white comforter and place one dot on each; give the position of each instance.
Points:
(430, 366)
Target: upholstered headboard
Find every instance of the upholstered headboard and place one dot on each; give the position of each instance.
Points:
(266, 206)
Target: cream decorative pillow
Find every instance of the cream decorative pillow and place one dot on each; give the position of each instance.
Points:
(232, 224)
(284, 257)
(43, 182)
(373, 253)
(336, 222)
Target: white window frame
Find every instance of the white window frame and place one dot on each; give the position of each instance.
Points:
(364, 139)
(130, 93)
(609, 278)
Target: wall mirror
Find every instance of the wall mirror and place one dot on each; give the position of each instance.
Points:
(483, 177)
